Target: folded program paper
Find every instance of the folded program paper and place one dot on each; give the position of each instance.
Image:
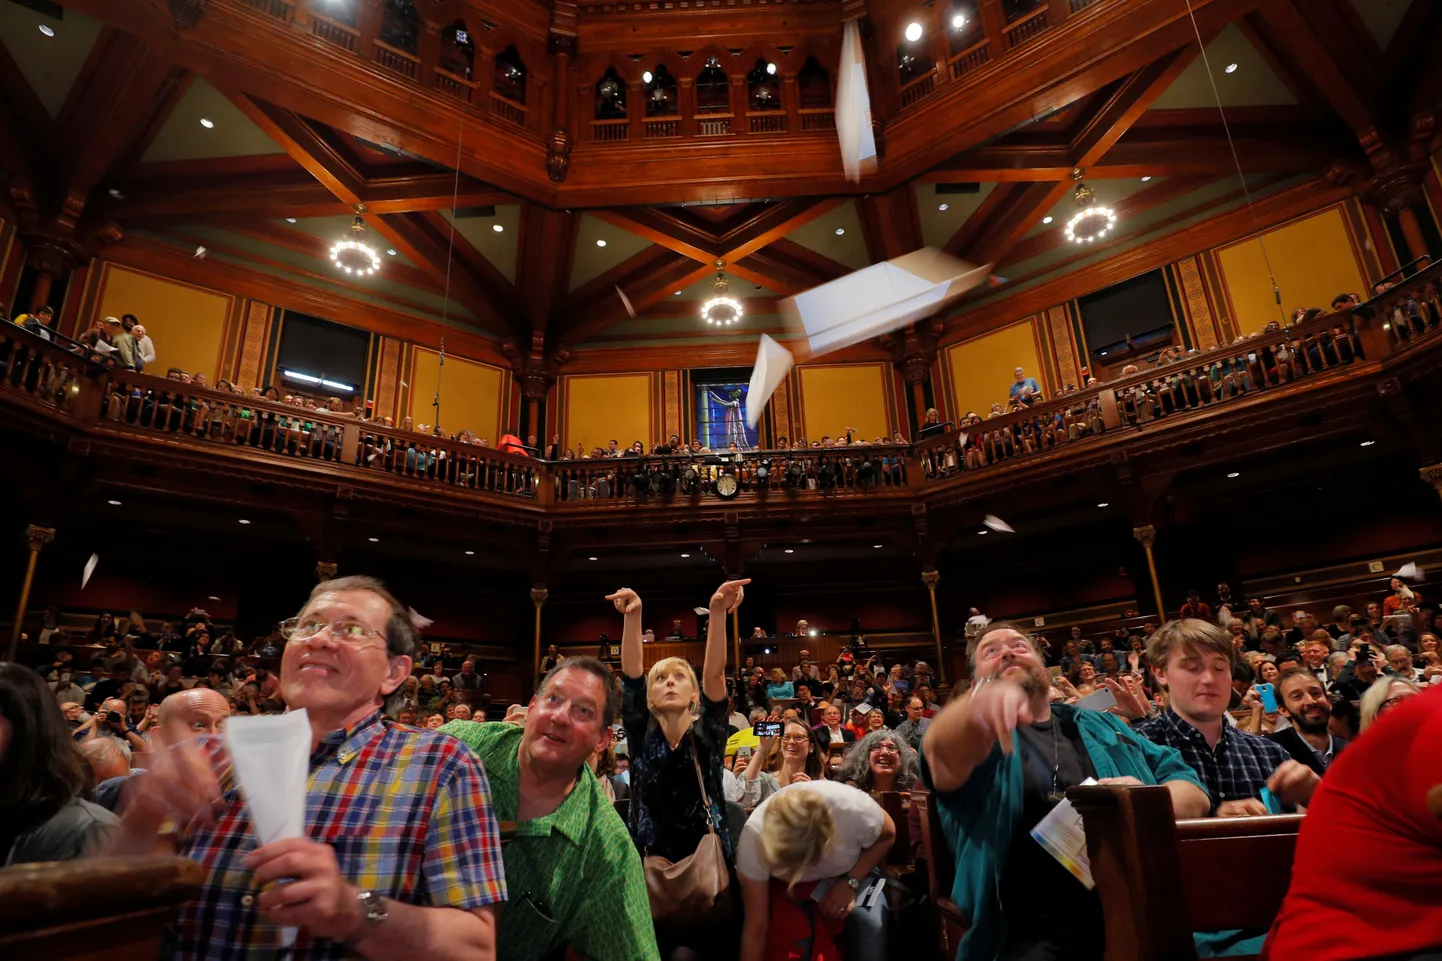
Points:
(772, 363)
(853, 107)
(271, 757)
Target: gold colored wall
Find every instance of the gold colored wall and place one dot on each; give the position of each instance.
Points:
(981, 368)
(1314, 259)
(600, 407)
(472, 394)
(187, 323)
(835, 397)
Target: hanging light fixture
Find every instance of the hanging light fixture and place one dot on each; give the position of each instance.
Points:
(721, 310)
(354, 255)
(1090, 222)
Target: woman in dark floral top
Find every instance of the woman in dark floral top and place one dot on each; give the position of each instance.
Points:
(670, 718)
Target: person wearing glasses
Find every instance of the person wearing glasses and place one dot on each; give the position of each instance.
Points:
(1384, 694)
(574, 876)
(402, 851)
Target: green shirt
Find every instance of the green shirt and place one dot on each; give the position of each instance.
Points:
(574, 876)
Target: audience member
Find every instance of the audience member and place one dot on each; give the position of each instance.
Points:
(143, 344)
(831, 731)
(915, 725)
(792, 758)
(1385, 693)
(879, 762)
(1303, 701)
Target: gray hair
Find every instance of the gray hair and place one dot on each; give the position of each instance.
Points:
(1391, 649)
(856, 766)
(757, 714)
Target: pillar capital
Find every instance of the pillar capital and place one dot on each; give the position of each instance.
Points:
(539, 596)
(931, 579)
(1432, 474)
(37, 537)
(1146, 535)
(324, 571)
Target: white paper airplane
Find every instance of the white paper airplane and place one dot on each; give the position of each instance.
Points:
(997, 524)
(772, 363)
(853, 107)
(627, 302)
(89, 569)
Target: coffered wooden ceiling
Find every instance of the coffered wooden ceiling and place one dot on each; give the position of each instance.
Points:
(101, 126)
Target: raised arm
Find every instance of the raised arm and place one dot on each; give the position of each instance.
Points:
(962, 735)
(727, 598)
(628, 602)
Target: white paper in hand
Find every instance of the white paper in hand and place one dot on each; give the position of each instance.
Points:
(772, 363)
(89, 569)
(271, 756)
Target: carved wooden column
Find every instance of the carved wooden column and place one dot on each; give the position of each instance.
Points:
(36, 537)
(1147, 535)
(53, 257)
(1396, 184)
(913, 351)
(931, 579)
(1432, 474)
(563, 50)
(538, 598)
(324, 571)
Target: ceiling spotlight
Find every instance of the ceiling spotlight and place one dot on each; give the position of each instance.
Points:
(958, 21)
(391, 251)
(1234, 474)
(1231, 68)
(212, 598)
(1365, 443)
(877, 546)
(374, 540)
(676, 294)
(941, 207)
(48, 30)
(290, 220)
(1146, 178)
(840, 231)
(790, 551)
(497, 228)
(982, 531)
(592, 558)
(244, 521)
(470, 553)
(207, 123)
(685, 555)
(1103, 504)
(600, 243)
(913, 31)
(771, 69)
(1046, 220)
(113, 503)
(646, 77)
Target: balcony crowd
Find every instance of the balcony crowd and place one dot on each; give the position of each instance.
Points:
(704, 811)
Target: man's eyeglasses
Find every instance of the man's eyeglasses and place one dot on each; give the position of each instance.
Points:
(351, 633)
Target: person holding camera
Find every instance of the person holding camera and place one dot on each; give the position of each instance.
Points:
(112, 720)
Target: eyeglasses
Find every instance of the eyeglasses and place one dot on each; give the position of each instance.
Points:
(795, 738)
(350, 633)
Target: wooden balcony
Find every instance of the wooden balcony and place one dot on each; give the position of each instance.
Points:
(332, 31)
(455, 85)
(969, 59)
(282, 10)
(917, 90)
(611, 131)
(406, 64)
(1021, 30)
(508, 110)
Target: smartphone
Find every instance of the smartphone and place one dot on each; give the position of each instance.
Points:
(767, 729)
(1268, 694)
(1054, 673)
(1364, 652)
(1098, 700)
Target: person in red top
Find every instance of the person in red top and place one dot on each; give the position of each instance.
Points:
(1196, 607)
(1367, 875)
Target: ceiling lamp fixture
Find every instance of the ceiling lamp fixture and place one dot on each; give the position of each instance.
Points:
(647, 77)
(721, 310)
(913, 32)
(1090, 222)
(958, 22)
(355, 256)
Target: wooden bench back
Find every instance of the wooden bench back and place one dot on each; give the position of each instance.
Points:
(1161, 880)
(894, 803)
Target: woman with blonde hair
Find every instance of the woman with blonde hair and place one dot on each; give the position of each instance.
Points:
(676, 731)
(815, 841)
(1384, 694)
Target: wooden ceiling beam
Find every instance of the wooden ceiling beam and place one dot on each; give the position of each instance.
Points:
(771, 224)
(1124, 106)
(438, 191)
(654, 281)
(545, 251)
(890, 223)
(789, 268)
(662, 228)
(262, 197)
(1289, 31)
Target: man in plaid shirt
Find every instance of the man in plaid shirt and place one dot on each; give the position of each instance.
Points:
(402, 856)
(1193, 660)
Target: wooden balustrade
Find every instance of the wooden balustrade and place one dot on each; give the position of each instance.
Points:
(1077, 6)
(969, 59)
(507, 110)
(767, 121)
(919, 89)
(817, 118)
(444, 462)
(455, 85)
(397, 60)
(47, 377)
(332, 32)
(612, 131)
(662, 128)
(1024, 28)
(282, 10)
(713, 124)
(1409, 315)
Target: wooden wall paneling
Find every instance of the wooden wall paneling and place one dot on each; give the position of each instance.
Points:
(1216, 297)
(672, 403)
(388, 378)
(1362, 239)
(12, 260)
(269, 368)
(1197, 306)
(780, 407)
(1381, 240)
(1068, 361)
(230, 339)
(254, 337)
(76, 288)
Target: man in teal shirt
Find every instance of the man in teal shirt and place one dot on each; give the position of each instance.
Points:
(999, 759)
(573, 874)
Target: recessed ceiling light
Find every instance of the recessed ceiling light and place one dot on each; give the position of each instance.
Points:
(1231, 68)
(1365, 443)
(212, 598)
(600, 243)
(941, 207)
(470, 553)
(113, 503)
(1046, 220)
(592, 558)
(498, 228)
(685, 555)
(1234, 474)
(790, 551)
(391, 251)
(1146, 178)
(877, 546)
(244, 521)
(676, 294)
(48, 30)
(290, 220)
(374, 540)
(982, 531)
(913, 31)
(207, 123)
(840, 231)
(646, 77)
(958, 21)
(771, 69)
(1103, 504)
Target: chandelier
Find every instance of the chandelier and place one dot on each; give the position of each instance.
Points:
(1090, 222)
(721, 310)
(355, 256)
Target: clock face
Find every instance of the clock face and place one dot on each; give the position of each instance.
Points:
(726, 485)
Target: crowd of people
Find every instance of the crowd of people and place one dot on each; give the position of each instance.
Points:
(676, 810)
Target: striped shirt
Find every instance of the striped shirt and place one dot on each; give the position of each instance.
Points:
(1239, 766)
(408, 813)
(574, 875)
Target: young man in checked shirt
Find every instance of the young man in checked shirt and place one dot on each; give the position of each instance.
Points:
(401, 858)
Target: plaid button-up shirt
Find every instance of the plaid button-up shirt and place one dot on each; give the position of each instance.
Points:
(408, 813)
(1237, 769)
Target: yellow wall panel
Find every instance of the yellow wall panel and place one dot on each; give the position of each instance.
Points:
(471, 394)
(603, 407)
(1314, 260)
(981, 369)
(187, 323)
(846, 395)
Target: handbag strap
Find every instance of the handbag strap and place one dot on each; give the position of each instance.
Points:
(701, 783)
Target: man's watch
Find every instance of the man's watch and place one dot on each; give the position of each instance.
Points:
(376, 914)
(853, 883)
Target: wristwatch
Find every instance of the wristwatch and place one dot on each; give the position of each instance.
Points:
(376, 914)
(853, 883)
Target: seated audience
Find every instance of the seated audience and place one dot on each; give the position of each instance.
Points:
(192, 713)
(998, 759)
(574, 875)
(880, 762)
(43, 816)
(1386, 693)
(831, 731)
(779, 687)
(780, 762)
(1304, 702)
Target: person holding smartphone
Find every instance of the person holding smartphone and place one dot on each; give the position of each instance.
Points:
(789, 753)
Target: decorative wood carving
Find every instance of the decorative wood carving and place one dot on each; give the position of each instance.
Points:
(1195, 291)
(1059, 323)
(672, 403)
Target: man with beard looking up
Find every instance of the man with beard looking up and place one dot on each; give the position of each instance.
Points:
(1305, 703)
(999, 758)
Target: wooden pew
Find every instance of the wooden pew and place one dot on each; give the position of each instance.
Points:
(1160, 880)
(941, 872)
(99, 909)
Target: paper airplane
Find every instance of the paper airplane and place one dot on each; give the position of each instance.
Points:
(701, 611)
(997, 524)
(199, 253)
(1410, 571)
(772, 363)
(418, 621)
(89, 569)
(627, 302)
(853, 107)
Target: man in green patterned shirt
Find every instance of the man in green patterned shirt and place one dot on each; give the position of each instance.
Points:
(573, 873)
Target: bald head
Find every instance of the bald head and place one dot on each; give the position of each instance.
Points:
(185, 714)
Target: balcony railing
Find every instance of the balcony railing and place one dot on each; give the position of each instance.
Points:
(713, 125)
(399, 61)
(455, 85)
(915, 91)
(610, 131)
(507, 110)
(1024, 29)
(332, 32)
(817, 118)
(662, 128)
(767, 121)
(282, 10)
(969, 59)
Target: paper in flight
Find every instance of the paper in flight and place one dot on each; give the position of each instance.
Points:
(772, 363)
(271, 757)
(626, 302)
(995, 523)
(89, 569)
(1410, 571)
(853, 107)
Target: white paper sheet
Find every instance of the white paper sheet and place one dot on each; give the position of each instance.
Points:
(1410, 571)
(772, 363)
(997, 524)
(853, 107)
(271, 756)
(1062, 835)
(626, 301)
(89, 569)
